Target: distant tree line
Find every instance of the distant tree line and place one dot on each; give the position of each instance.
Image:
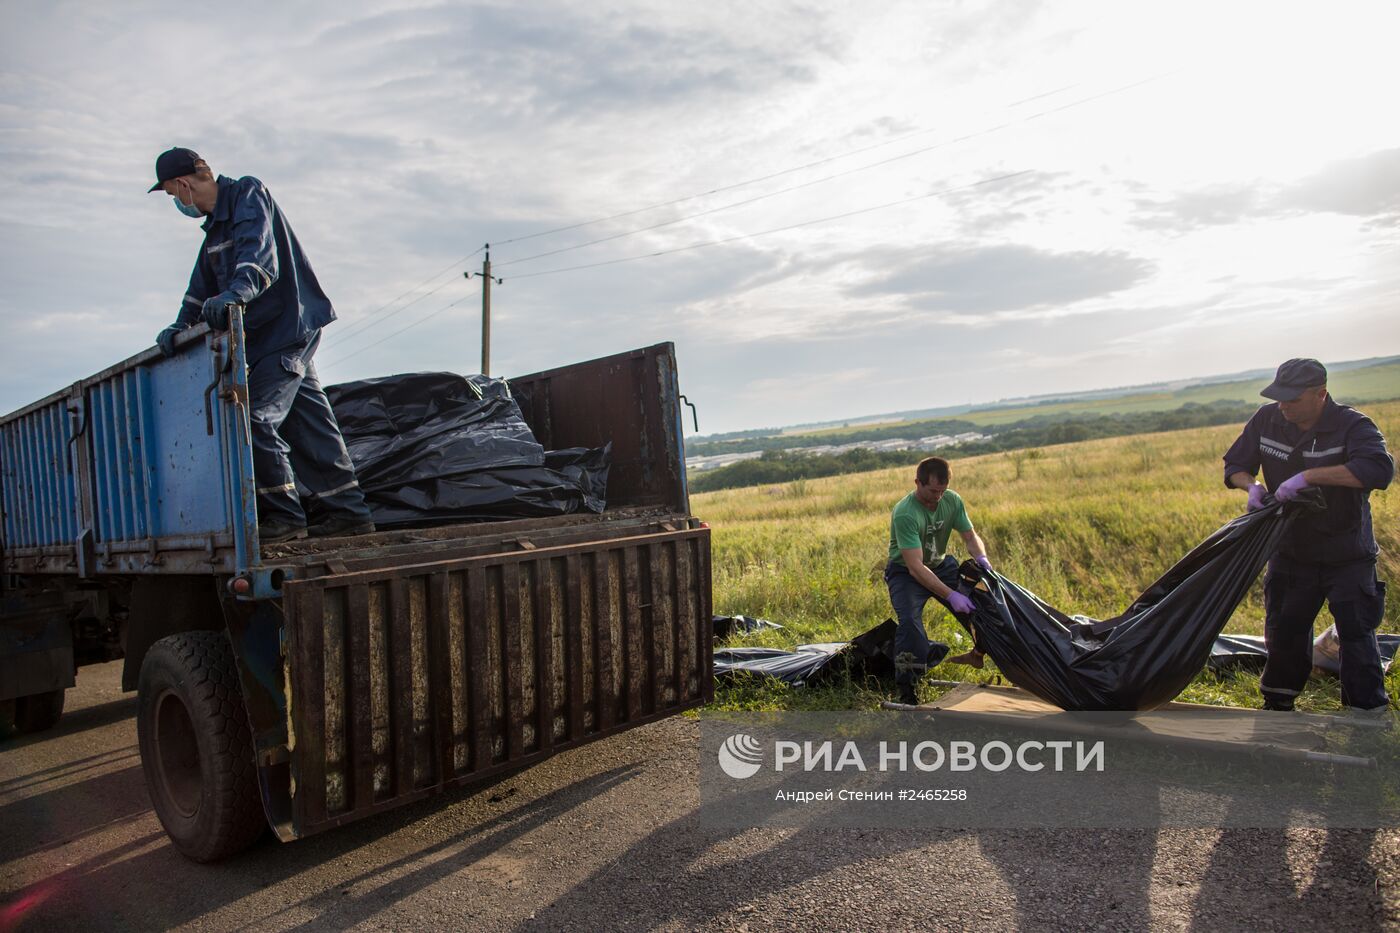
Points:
(910, 429)
(780, 466)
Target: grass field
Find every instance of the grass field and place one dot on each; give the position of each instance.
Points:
(1350, 387)
(1085, 526)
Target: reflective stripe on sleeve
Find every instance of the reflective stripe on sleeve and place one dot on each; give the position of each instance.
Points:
(262, 490)
(192, 300)
(267, 279)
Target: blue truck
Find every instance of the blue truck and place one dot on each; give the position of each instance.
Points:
(309, 684)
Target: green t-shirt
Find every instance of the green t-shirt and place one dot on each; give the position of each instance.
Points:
(913, 525)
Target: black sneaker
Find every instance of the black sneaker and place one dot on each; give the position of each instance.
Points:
(907, 696)
(279, 532)
(341, 525)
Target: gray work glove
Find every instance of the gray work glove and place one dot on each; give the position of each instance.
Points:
(166, 338)
(215, 310)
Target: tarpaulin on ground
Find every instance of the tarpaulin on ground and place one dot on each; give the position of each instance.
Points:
(431, 448)
(868, 654)
(724, 626)
(1142, 658)
(1248, 652)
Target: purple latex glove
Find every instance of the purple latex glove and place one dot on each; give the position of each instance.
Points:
(983, 562)
(960, 603)
(1256, 497)
(1288, 490)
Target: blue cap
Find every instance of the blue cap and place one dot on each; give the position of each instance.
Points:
(174, 163)
(1293, 377)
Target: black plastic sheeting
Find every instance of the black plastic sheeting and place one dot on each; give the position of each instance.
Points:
(1248, 653)
(724, 626)
(1142, 658)
(868, 654)
(433, 448)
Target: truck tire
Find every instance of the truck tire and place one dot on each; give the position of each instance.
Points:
(197, 748)
(39, 711)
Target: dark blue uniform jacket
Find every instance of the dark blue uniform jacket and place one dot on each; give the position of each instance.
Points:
(1342, 532)
(250, 252)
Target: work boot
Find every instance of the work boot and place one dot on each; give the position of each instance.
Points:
(340, 525)
(907, 696)
(275, 532)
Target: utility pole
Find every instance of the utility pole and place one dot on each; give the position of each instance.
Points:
(486, 280)
(486, 313)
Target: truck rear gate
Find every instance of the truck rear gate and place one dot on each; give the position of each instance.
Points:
(372, 670)
(409, 680)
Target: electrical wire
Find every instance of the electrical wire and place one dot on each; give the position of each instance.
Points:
(370, 319)
(421, 320)
(823, 161)
(374, 318)
(680, 249)
(365, 324)
(805, 223)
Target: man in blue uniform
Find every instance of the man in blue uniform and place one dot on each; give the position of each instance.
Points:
(250, 257)
(1306, 439)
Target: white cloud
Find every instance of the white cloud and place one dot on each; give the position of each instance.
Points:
(1166, 227)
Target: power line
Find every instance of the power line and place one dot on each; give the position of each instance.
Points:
(825, 178)
(370, 320)
(363, 325)
(388, 337)
(805, 223)
(679, 249)
(823, 161)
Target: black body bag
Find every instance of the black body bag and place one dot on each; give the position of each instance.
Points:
(1144, 657)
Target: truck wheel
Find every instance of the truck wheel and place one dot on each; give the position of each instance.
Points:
(196, 746)
(39, 711)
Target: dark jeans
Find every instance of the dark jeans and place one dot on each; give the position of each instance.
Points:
(1293, 596)
(296, 440)
(913, 652)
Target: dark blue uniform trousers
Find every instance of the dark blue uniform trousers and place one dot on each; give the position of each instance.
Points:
(913, 652)
(299, 456)
(1293, 596)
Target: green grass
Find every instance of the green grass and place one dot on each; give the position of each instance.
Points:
(1351, 387)
(1085, 526)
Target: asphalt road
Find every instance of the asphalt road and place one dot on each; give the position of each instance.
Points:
(607, 837)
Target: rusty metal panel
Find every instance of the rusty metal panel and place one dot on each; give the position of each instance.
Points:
(408, 680)
(631, 400)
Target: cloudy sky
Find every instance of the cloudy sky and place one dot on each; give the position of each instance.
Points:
(860, 207)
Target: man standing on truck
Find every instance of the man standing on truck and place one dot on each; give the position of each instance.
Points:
(920, 568)
(250, 257)
(1305, 439)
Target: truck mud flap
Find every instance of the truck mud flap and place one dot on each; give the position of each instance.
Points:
(405, 681)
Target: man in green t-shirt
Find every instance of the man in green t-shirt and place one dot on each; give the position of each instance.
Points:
(919, 568)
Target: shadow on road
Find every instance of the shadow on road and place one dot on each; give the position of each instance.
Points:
(119, 878)
(41, 821)
(79, 720)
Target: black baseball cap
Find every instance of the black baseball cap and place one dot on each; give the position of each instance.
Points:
(1293, 377)
(174, 163)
